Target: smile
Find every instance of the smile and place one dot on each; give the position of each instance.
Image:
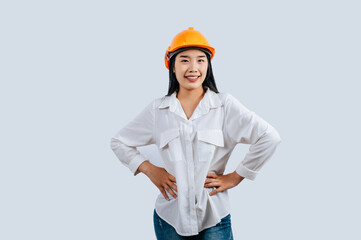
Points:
(193, 79)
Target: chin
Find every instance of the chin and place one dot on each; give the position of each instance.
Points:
(193, 87)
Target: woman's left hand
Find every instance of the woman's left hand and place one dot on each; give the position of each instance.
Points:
(222, 182)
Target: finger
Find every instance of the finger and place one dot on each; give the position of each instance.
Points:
(215, 191)
(213, 180)
(164, 193)
(172, 178)
(211, 175)
(170, 191)
(209, 180)
(212, 184)
(208, 185)
(173, 186)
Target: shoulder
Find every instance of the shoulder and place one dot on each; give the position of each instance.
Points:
(226, 97)
(157, 101)
(223, 97)
(231, 103)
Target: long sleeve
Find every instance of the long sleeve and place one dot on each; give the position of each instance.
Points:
(245, 126)
(138, 132)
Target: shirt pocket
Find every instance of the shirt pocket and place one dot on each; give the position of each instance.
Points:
(207, 143)
(169, 142)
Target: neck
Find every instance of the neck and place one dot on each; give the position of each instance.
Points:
(193, 94)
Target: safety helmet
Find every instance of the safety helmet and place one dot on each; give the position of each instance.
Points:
(187, 38)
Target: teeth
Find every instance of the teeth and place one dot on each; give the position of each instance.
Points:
(192, 77)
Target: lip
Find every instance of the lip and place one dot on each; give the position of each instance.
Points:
(192, 80)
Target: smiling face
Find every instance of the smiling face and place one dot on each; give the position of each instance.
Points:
(190, 68)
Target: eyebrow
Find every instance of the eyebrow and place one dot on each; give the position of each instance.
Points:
(185, 56)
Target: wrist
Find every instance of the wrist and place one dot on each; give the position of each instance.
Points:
(237, 177)
(144, 167)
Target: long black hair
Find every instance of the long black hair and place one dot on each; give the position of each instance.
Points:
(208, 82)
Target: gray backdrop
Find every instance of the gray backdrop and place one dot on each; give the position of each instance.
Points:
(74, 72)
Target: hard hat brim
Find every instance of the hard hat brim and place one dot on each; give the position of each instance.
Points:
(169, 54)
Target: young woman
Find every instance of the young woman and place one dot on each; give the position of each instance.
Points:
(196, 129)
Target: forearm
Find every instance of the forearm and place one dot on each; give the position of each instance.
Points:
(128, 155)
(259, 153)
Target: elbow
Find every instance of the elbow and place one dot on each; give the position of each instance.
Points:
(276, 138)
(272, 136)
(114, 143)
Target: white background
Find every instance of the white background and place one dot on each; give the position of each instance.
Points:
(74, 72)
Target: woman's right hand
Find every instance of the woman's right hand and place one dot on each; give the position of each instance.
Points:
(160, 177)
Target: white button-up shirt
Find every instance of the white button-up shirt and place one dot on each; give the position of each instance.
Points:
(193, 147)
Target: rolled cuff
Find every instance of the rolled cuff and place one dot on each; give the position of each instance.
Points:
(135, 163)
(246, 173)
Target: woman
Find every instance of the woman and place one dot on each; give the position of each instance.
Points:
(196, 129)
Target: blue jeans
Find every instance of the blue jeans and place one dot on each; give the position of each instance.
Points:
(222, 231)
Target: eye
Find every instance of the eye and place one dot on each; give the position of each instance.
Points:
(184, 60)
(201, 60)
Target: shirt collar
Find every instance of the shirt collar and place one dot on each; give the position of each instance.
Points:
(210, 100)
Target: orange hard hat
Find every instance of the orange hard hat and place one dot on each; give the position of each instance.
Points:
(187, 38)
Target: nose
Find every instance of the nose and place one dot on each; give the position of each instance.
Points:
(193, 67)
